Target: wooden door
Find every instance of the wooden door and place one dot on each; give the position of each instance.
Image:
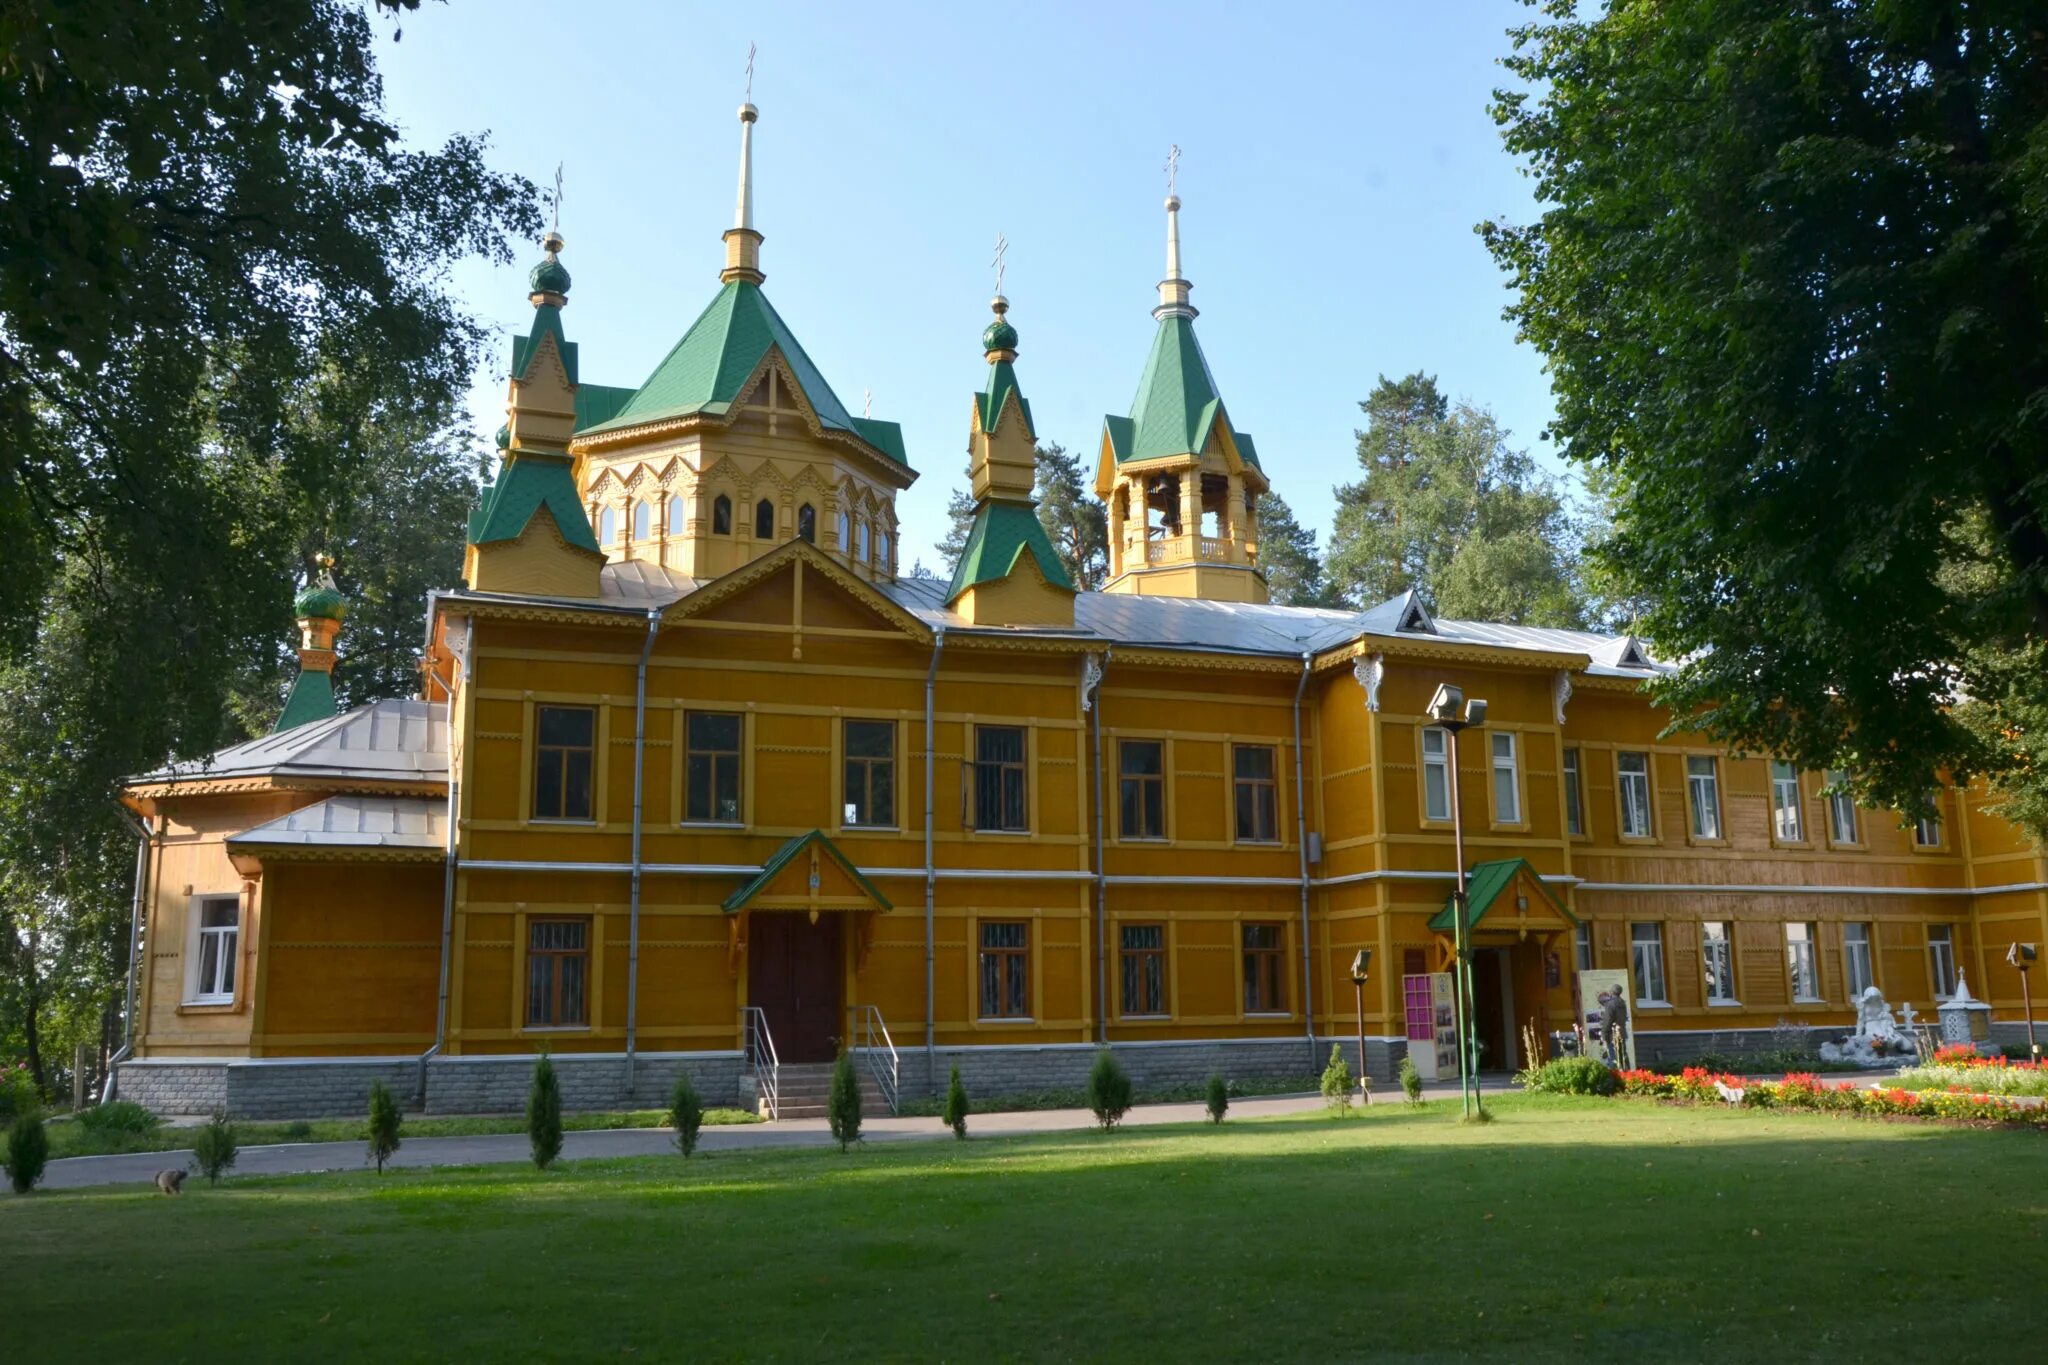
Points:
(794, 975)
(1489, 1012)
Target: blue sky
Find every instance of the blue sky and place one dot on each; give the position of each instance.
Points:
(1334, 162)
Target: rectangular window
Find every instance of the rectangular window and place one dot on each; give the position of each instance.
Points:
(216, 950)
(1574, 801)
(1144, 968)
(557, 973)
(1436, 774)
(1255, 772)
(1507, 789)
(1856, 957)
(1264, 947)
(1582, 942)
(1800, 961)
(564, 759)
(1141, 788)
(999, 778)
(1717, 958)
(711, 769)
(1633, 771)
(1005, 970)
(1941, 959)
(1786, 821)
(1646, 954)
(1927, 830)
(1703, 795)
(870, 798)
(1841, 809)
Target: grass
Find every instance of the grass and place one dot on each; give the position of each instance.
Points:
(1074, 1097)
(70, 1138)
(1978, 1080)
(1568, 1229)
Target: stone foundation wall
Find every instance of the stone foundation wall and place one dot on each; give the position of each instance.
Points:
(198, 1087)
(498, 1085)
(1682, 1047)
(1018, 1069)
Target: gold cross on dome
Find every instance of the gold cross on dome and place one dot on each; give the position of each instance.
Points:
(1172, 166)
(558, 196)
(1002, 249)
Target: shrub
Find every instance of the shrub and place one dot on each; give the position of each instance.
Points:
(842, 1108)
(685, 1113)
(544, 1113)
(384, 1124)
(1411, 1081)
(1575, 1076)
(119, 1116)
(956, 1105)
(1337, 1081)
(1108, 1092)
(298, 1130)
(18, 1094)
(28, 1151)
(213, 1147)
(1218, 1098)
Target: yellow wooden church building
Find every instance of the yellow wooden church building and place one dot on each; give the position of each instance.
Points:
(698, 779)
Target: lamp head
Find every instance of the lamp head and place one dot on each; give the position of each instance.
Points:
(1475, 711)
(1443, 707)
(2021, 955)
(1359, 965)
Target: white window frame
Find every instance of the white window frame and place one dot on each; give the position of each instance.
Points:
(1582, 945)
(1842, 812)
(1941, 959)
(1574, 796)
(607, 525)
(1441, 762)
(1624, 781)
(1802, 961)
(1788, 819)
(1507, 801)
(1717, 958)
(1703, 795)
(196, 986)
(643, 522)
(1646, 958)
(1927, 832)
(1856, 959)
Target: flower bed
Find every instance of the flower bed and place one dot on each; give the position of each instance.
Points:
(1803, 1090)
(1958, 1069)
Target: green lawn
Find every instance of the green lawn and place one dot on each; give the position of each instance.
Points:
(1568, 1229)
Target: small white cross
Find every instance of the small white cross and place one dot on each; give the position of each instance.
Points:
(558, 196)
(1002, 247)
(750, 73)
(1172, 166)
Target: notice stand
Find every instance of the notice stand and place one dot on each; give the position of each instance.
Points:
(1429, 1002)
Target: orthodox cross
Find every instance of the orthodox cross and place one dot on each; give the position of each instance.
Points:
(750, 73)
(558, 196)
(867, 402)
(1172, 165)
(1002, 248)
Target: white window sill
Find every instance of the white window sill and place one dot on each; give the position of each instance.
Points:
(1005, 833)
(1724, 1004)
(871, 829)
(1144, 1018)
(1142, 839)
(1269, 1014)
(554, 1028)
(563, 820)
(1005, 1019)
(207, 1002)
(711, 824)
(1808, 1000)
(1653, 1004)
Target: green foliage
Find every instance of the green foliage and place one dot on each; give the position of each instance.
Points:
(956, 1104)
(28, 1151)
(385, 1121)
(544, 1113)
(118, 1116)
(1108, 1091)
(1337, 1080)
(1786, 283)
(959, 523)
(1978, 1080)
(1411, 1081)
(298, 1130)
(1074, 519)
(842, 1106)
(18, 1093)
(1574, 1076)
(214, 1147)
(1217, 1098)
(1446, 507)
(685, 1113)
(1288, 554)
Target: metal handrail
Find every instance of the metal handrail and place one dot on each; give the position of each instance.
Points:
(761, 1058)
(869, 1026)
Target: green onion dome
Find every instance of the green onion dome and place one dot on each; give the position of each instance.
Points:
(321, 599)
(999, 336)
(549, 277)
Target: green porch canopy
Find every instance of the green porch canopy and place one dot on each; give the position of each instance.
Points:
(1487, 884)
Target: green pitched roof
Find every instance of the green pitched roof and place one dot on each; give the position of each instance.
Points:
(886, 437)
(1003, 532)
(719, 353)
(312, 698)
(594, 403)
(1484, 884)
(526, 484)
(1177, 403)
(784, 856)
(1002, 382)
(547, 320)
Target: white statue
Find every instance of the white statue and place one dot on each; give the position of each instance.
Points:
(1878, 1039)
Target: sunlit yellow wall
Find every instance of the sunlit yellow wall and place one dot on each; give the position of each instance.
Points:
(351, 958)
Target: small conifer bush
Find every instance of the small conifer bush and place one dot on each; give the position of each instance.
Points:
(842, 1108)
(28, 1150)
(1217, 1097)
(214, 1147)
(1109, 1089)
(1411, 1081)
(385, 1121)
(544, 1113)
(956, 1105)
(1337, 1081)
(685, 1113)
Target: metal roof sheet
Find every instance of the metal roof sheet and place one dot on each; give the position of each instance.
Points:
(357, 822)
(401, 740)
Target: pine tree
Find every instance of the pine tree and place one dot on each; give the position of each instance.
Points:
(1288, 554)
(1074, 519)
(960, 523)
(1411, 1081)
(842, 1109)
(685, 1113)
(214, 1147)
(956, 1105)
(544, 1113)
(28, 1151)
(1218, 1098)
(1337, 1081)
(1108, 1092)
(385, 1121)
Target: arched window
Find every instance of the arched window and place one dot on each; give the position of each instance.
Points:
(607, 526)
(882, 549)
(676, 518)
(845, 532)
(764, 520)
(643, 517)
(860, 539)
(721, 515)
(807, 523)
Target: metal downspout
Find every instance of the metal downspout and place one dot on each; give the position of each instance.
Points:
(639, 804)
(111, 1085)
(1308, 1004)
(931, 875)
(1093, 703)
(468, 671)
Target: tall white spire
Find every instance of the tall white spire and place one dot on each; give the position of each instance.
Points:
(743, 210)
(1173, 290)
(742, 242)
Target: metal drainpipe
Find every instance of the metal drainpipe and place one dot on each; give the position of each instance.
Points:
(110, 1087)
(1308, 1004)
(639, 803)
(931, 875)
(1101, 872)
(467, 672)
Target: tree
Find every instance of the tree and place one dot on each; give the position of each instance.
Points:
(959, 525)
(1108, 1090)
(1074, 519)
(544, 1113)
(1411, 1081)
(1790, 291)
(28, 1150)
(685, 1113)
(1288, 554)
(385, 1121)
(1449, 509)
(1216, 1097)
(214, 1147)
(1337, 1081)
(956, 1104)
(842, 1105)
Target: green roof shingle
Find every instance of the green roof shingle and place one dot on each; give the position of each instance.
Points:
(1483, 885)
(312, 698)
(782, 857)
(526, 484)
(1003, 532)
(1177, 402)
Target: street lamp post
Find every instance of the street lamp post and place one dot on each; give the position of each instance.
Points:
(2021, 955)
(1359, 965)
(1450, 712)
